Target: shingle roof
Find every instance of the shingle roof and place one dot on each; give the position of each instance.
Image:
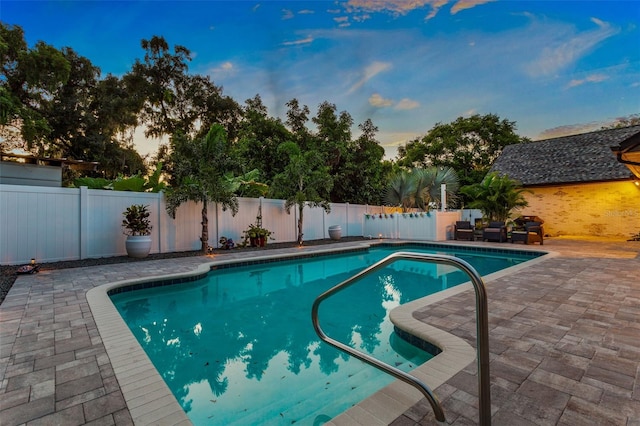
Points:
(569, 159)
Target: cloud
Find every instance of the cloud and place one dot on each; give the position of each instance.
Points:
(406, 104)
(361, 18)
(369, 72)
(569, 129)
(395, 7)
(435, 8)
(594, 78)
(287, 14)
(403, 7)
(391, 141)
(307, 40)
(568, 47)
(467, 4)
(379, 102)
(223, 70)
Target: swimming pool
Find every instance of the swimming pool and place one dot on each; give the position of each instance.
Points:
(238, 346)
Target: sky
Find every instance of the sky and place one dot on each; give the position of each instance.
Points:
(552, 67)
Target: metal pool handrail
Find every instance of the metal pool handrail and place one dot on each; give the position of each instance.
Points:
(482, 327)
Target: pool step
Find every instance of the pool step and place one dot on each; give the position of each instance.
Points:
(297, 413)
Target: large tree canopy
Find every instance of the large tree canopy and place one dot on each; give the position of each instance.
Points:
(55, 105)
(468, 145)
(29, 81)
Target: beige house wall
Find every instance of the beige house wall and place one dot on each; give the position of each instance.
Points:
(610, 209)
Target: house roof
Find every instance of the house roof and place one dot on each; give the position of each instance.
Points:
(628, 153)
(587, 157)
(47, 161)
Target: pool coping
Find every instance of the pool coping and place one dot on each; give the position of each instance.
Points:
(386, 405)
(150, 400)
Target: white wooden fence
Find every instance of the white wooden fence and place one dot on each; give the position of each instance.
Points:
(53, 224)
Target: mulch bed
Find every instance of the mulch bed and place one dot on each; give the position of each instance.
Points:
(9, 273)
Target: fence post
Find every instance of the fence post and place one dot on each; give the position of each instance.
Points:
(346, 213)
(324, 221)
(84, 220)
(159, 221)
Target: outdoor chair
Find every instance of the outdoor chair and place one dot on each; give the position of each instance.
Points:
(496, 231)
(532, 232)
(464, 230)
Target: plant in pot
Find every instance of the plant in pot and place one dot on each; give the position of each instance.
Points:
(138, 230)
(257, 235)
(263, 236)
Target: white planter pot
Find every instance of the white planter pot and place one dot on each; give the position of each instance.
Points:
(138, 245)
(335, 232)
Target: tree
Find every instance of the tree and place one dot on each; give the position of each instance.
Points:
(429, 183)
(496, 196)
(297, 116)
(198, 169)
(54, 104)
(259, 138)
(115, 119)
(401, 190)
(29, 80)
(420, 188)
(630, 120)
(175, 101)
(362, 174)
(333, 134)
(157, 82)
(305, 181)
(468, 145)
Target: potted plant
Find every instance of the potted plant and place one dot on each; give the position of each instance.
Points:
(263, 236)
(257, 235)
(138, 230)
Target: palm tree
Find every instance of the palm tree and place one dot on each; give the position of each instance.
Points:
(496, 196)
(197, 174)
(401, 190)
(429, 186)
(421, 187)
(305, 181)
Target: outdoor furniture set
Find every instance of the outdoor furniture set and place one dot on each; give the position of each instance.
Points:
(527, 229)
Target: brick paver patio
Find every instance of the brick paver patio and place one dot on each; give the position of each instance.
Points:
(564, 342)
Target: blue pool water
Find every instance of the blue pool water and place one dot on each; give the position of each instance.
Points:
(238, 346)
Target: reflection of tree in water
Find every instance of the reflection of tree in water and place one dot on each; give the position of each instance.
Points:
(178, 353)
(233, 330)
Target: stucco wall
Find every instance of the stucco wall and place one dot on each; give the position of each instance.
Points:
(591, 209)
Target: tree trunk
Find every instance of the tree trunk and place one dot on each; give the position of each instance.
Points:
(300, 210)
(204, 239)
